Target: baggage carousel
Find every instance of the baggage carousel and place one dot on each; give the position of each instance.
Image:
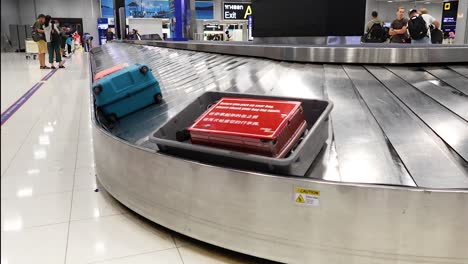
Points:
(389, 186)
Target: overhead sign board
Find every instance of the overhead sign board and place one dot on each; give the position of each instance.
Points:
(236, 11)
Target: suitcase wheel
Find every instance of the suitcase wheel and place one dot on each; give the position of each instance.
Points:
(97, 89)
(158, 98)
(112, 118)
(101, 117)
(144, 69)
(99, 112)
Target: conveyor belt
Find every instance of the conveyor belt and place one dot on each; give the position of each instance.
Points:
(435, 88)
(451, 77)
(462, 70)
(396, 125)
(364, 152)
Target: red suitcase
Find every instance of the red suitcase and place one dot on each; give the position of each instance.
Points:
(263, 127)
(111, 70)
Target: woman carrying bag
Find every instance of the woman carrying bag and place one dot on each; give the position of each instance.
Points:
(53, 42)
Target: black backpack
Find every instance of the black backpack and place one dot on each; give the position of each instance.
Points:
(376, 32)
(417, 27)
(437, 36)
(36, 36)
(54, 35)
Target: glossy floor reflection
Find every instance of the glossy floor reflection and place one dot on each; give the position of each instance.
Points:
(50, 212)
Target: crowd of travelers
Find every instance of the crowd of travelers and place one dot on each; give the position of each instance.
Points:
(59, 41)
(419, 28)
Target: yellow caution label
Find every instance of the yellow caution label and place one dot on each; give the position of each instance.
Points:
(306, 197)
(300, 199)
(306, 191)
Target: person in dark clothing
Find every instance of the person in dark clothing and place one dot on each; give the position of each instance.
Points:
(63, 38)
(398, 29)
(136, 35)
(53, 42)
(109, 35)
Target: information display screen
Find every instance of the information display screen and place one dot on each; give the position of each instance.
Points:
(449, 16)
(296, 18)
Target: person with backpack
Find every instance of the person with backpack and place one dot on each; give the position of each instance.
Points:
(39, 37)
(69, 43)
(419, 27)
(375, 31)
(398, 29)
(53, 42)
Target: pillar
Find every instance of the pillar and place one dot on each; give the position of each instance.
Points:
(461, 36)
(118, 4)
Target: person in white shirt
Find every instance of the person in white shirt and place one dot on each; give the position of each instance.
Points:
(430, 20)
(53, 42)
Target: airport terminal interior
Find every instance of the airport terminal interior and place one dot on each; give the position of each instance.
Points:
(234, 131)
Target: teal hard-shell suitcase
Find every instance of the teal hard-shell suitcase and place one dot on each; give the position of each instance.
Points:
(126, 91)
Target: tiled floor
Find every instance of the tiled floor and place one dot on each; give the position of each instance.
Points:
(50, 212)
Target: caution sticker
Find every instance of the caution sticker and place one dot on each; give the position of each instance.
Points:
(307, 197)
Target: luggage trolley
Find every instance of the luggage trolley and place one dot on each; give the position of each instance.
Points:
(31, 49)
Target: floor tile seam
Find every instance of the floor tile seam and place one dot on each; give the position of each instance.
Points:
(81, 189)
(28, 228)
(73, 184)
(35, 196)
(96, 218)
(131, 255)
(178, 251)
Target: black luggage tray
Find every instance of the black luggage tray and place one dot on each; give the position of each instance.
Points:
(297, 163)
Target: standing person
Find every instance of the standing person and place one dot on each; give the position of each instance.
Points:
(430, 20)
(398, 29)
(375, 20)
(375, 31)
(41, 44)
(436, 35)
(109, 35)
(69, 43)
(420, 25)
(87, 42)
(53, 41)
(136, 35)
(63, 38)
(228, 35)
(76, 40)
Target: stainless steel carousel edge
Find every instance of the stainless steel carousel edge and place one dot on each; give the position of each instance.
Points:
(349, 54)
(256, 214)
